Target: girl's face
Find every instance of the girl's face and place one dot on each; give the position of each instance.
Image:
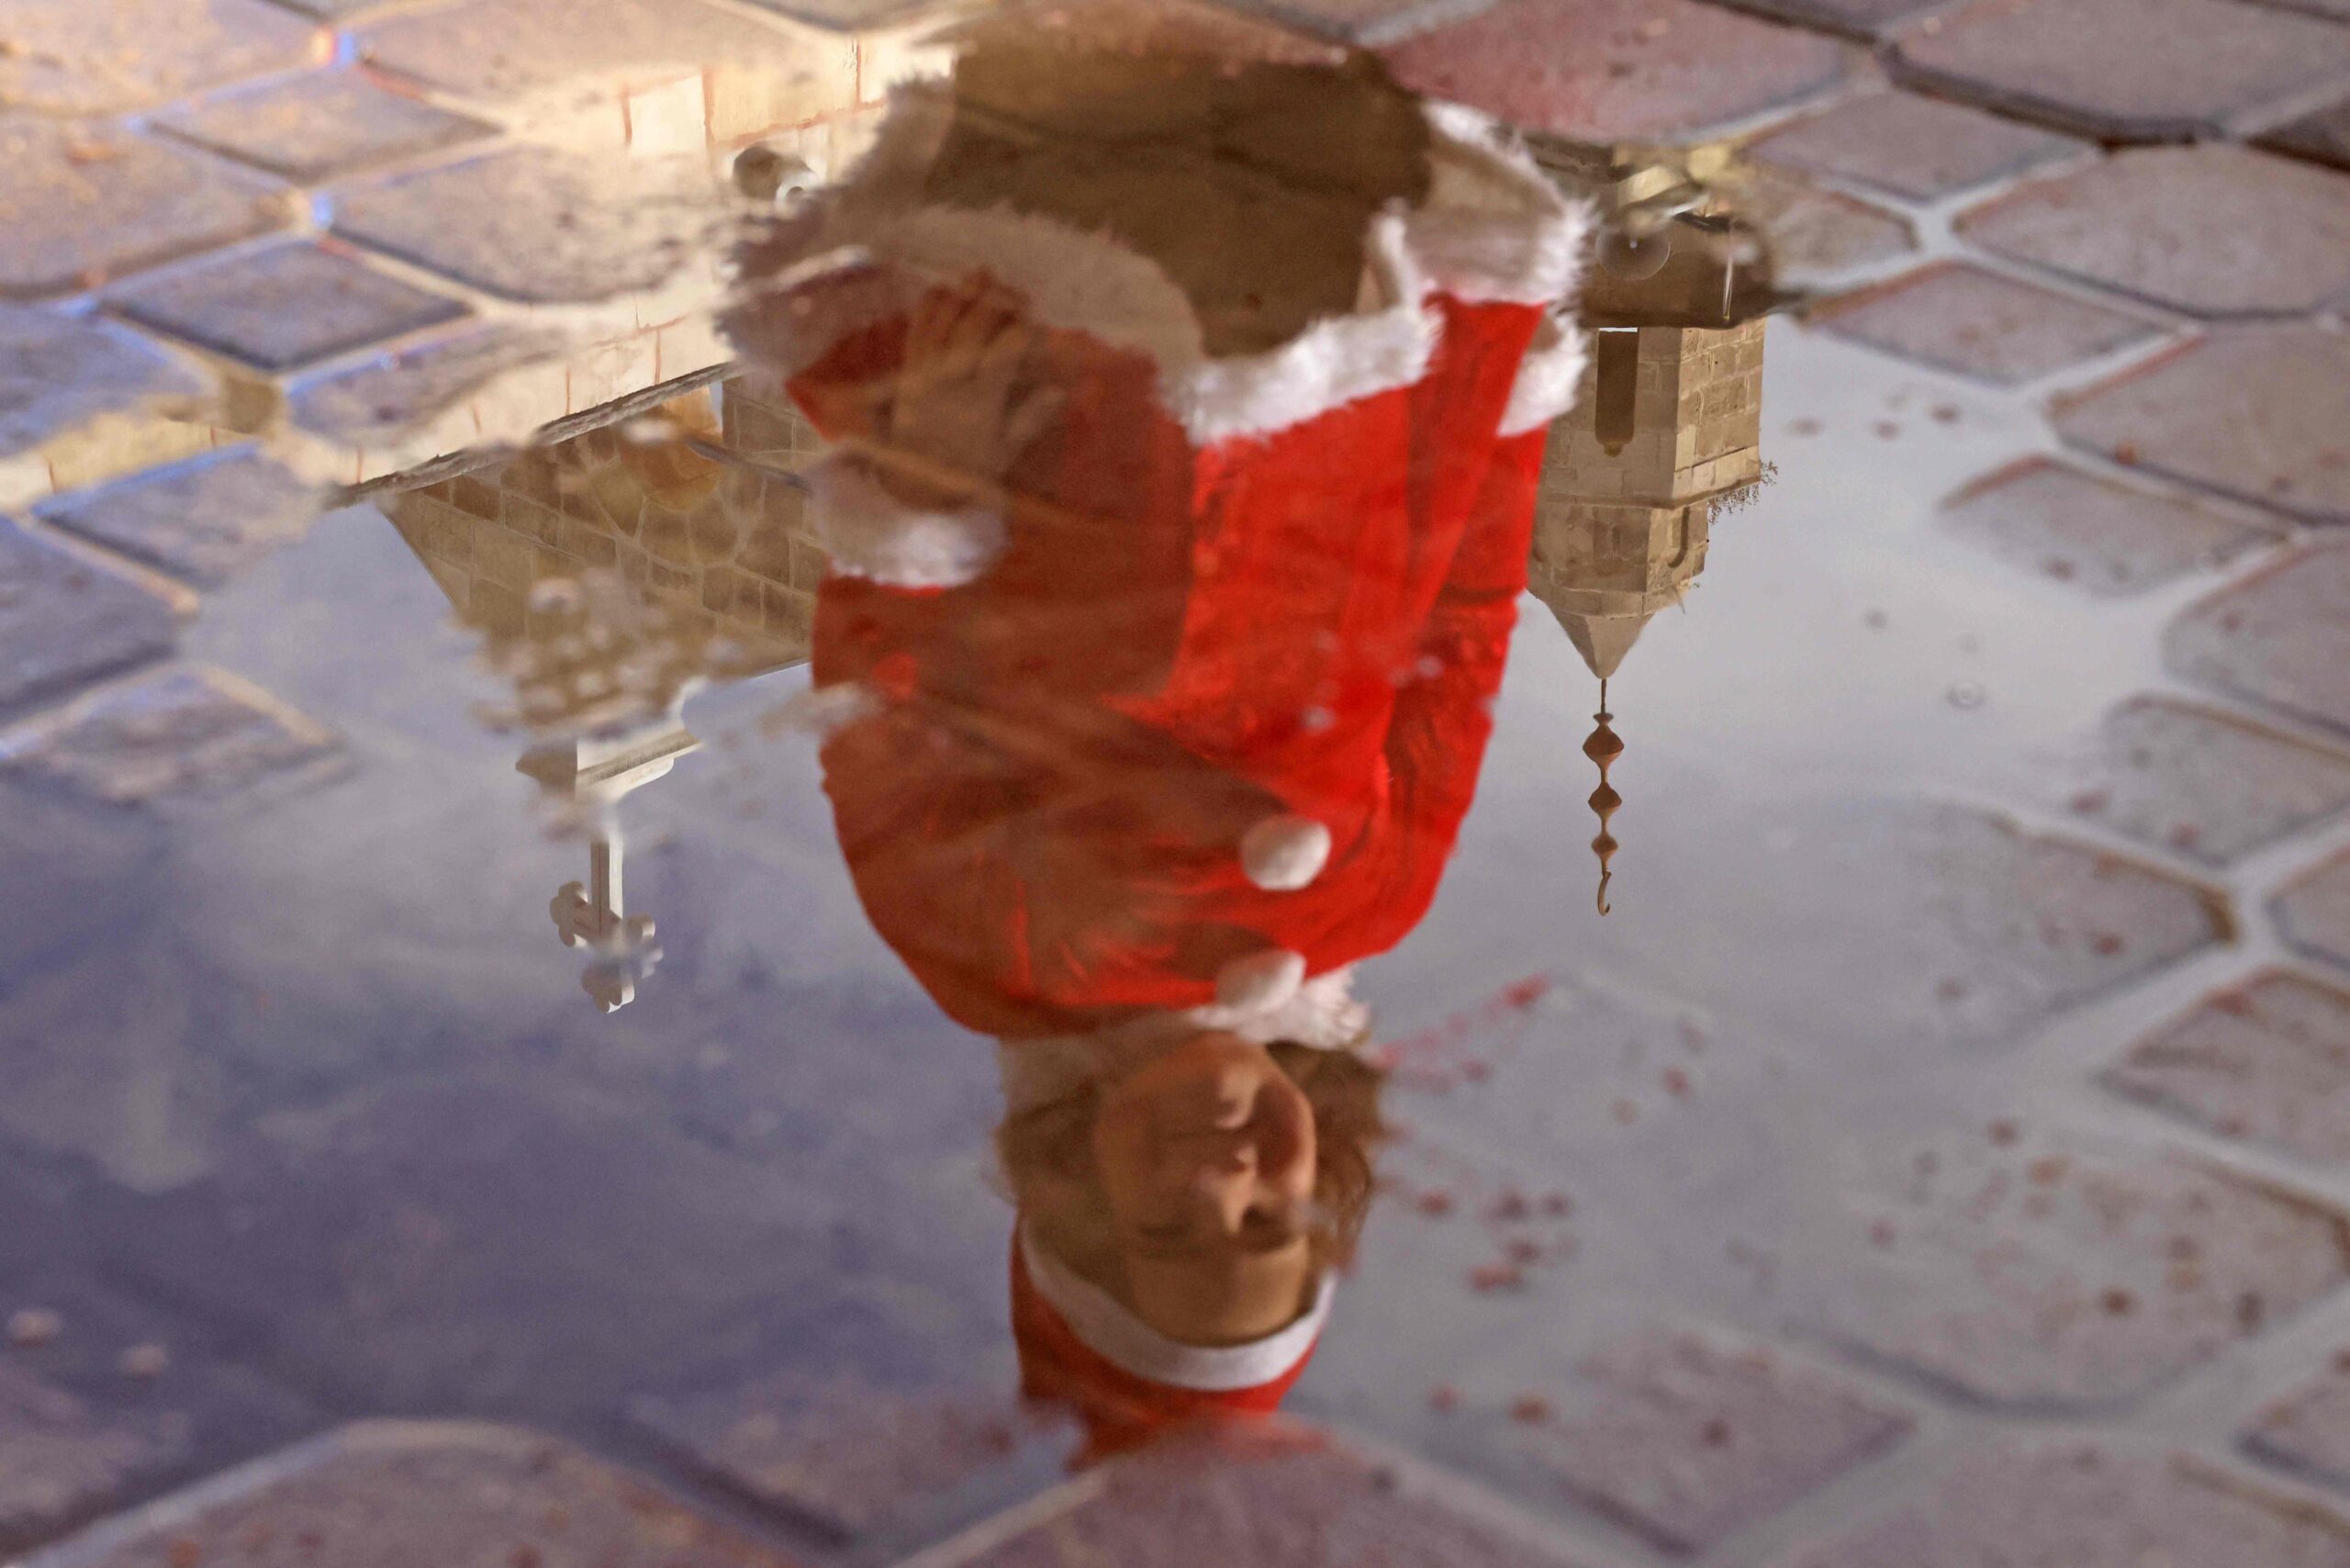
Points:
(1207, 1158)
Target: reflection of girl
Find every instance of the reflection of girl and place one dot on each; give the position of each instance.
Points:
(1191, 403)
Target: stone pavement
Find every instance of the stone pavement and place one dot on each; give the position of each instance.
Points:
(256, 251)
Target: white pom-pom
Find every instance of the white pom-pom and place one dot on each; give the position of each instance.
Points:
(1260, 981)
(1284, 854)
(868, 532)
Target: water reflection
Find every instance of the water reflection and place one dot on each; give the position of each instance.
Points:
(1148, 449)
(1188, 411)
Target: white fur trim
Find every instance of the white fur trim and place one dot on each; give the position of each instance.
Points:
(1493, 226)
(1078, 281)
(1104, 1326)
(868, 532)
(1337, 361)
(1285, 852)
(1322, 1015)
(1548, 378)
(1259, 983)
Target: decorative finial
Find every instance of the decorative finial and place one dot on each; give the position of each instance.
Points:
(1602, 747)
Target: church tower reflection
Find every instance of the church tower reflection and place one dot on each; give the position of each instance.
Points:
(609, 577)
(1667, 424)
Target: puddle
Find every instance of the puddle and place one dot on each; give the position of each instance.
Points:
(1186, 750)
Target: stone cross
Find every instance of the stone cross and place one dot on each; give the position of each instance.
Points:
(593, 914)
(590, 916)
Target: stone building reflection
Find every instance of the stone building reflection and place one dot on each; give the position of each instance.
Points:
(609, 577)
(1668, 421)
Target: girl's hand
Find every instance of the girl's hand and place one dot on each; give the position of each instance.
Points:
(965, 402)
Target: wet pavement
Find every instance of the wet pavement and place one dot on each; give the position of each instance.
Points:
(531, 769)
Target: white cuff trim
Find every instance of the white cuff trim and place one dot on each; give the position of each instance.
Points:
(868, 532)
(1104, 1326)
(1262, 982)
(1284, 854)
(1321, 1013)
(1337, 361)
(1493, 226)
(1549, 378)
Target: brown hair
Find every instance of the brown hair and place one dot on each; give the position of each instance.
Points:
(1342, 1088)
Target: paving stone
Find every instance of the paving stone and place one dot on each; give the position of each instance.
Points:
(66, 388)
(1864, 19)
(1917, 149)
(82, 206)
(2314, 911)
(845, 15)
(68, 58)
(71, 870)
(1300, 1507)
(318, 125)
(836, 1450)
(2310, 1429)
(393, 1494)
(2126, 70)
(1617, 70)
(62, 1462)
(1685, 1438)
(402, 392)
(493, 221)
(2206, 784)
(2088, 1508)
(1818, 237)
(520, 57)
(2110, 540)
(64, 621)
(1957, 928)
(1367, 22)
(2279, 637)
(285, 307)
(1976, 323)
(2045, 1276)
(104, 1351)
(2322, 134)
(174, 737)
(1979, 931)
(2263, 413)
(204, 520)
(2268, 1061)
(483, 1243)
(110, 1049)
(2213, 231)
(334, 10)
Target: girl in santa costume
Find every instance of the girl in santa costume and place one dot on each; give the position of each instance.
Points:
(1189, 386)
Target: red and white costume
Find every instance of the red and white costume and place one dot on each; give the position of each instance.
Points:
(1207, 728)
(1197, 733)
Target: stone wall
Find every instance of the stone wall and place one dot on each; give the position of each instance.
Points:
(1698, 421)
(707, 555)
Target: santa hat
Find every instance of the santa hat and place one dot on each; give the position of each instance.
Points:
(1491, 229)
(1130, 1384)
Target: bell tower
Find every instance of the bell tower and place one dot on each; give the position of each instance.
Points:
(1668, 421)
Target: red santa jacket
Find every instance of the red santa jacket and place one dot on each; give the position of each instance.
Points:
(1244, 601)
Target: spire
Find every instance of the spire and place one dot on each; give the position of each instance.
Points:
(1604, 748)
(1602, 640)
